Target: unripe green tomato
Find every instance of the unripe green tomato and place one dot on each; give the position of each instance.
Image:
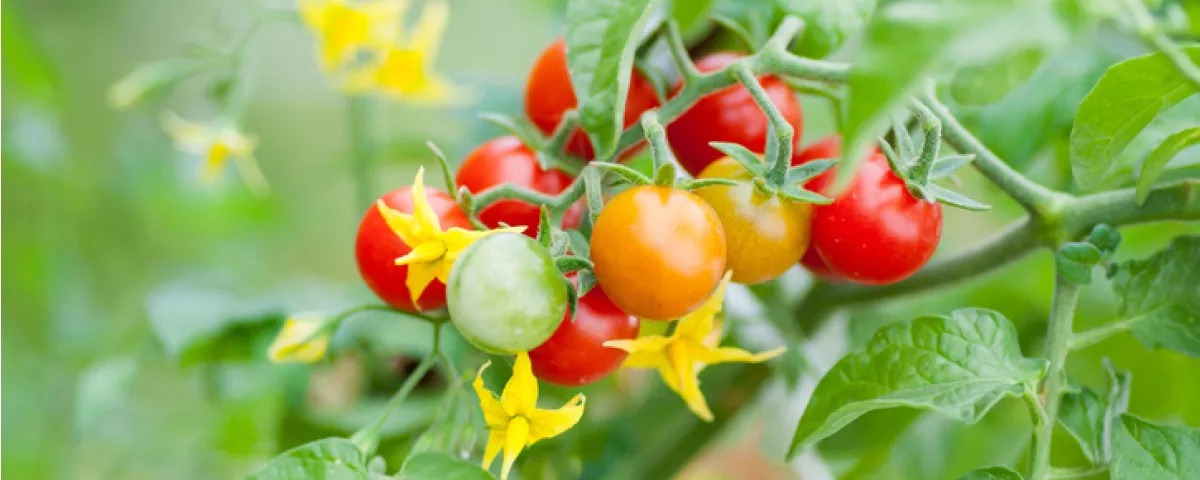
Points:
(505, 295)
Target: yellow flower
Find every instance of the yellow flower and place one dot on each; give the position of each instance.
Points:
(514, 422)
(343, 27)
(433, 250)
(303, 339)
(680, 357)
(216, 142)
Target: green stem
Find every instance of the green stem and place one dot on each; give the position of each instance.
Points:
(679, 54)
(1174, 201)
(1099, 334)
(360, 109)
(1058, 345)
(1150, 32)
(367, 439)
(919, 174)
(782, 131)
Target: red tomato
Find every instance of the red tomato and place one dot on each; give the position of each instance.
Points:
(505, 160)
(575, 355)
(828, 147)
(549, 94)
(377, 247)
(729, 115)
(875, 232)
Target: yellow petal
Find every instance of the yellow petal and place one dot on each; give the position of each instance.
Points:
(521, 393)
(426, 218)
(191, 137)
(493, 412)
(516, 436)
(420, 275)
(551, 423)
(688, 386)
(426, 252)
(644, 352)
(428, 31)
(300, 340)
(495, 442)
(217, 154)
(697, 324)
(402, 224)
(731, 354)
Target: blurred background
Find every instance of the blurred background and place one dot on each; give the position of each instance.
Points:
(139, 301)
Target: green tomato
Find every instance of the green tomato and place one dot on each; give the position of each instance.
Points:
(505, 295)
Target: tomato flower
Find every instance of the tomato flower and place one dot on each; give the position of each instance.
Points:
(681, 357)
(303, 339)
(216, 142)
(433, 250)
(514, 420)
(344, 27)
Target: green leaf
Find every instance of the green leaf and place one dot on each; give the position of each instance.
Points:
(991, 473)
(1128, 96)
(904, 41)
(196, 324)
(516, 126)
(1158, 159)
(1159, 297)
(1075, 261)
(326, 459)
(601, 38)
(827, 23)
(958, 365)
(439, 466)
(985, 84)
(690, 15)
(1087, 415)
(1143, 450)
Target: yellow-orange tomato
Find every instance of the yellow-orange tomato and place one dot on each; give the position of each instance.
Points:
(659, 252)
(765, 235)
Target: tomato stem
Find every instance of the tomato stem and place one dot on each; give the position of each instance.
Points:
(669, 32)
(1058, 345)
(932, 127)
(779, 144)
(367, 439)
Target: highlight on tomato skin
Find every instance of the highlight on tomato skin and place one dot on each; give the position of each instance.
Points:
(575, 354)
(504, 160)
(549, 94)
(376, 248)
(729, 115)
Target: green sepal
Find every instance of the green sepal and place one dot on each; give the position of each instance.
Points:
(444, 163)
(946, 196)
(571, 263)
(544, 235)
(706, 182)
(895, 162)
(587, 281)
(572, 298)
(560, 242)
(904, 144)
(947, 165)
(594, 197)
(803, 173)
(797, 194)
(1075, 261)
(518, 127)
(627, 174)
(579, 243)
(749, 160)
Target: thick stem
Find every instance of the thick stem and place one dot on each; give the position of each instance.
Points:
(363, 146)
(1174, 201)
(1058, 345)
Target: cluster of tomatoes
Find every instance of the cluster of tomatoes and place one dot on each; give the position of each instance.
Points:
(658, 252)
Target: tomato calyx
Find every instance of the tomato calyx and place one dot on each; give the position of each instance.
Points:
(550, 150)
(790, 186)
(665, 170)
(920, 168)
(560, 245)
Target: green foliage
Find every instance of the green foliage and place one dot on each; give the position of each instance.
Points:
(601, 39)
(1158, 298)
(991, 473)
(828, 23)
(1075, 261)
(1158, 159)
(984, 84)
(440, 466)
(958, 365)
(1088, 415)
(1143, 450)
(1127, 98)
(326, 459)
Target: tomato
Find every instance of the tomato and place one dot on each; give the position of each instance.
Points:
(549, 94)
(377, 247)
(505, 295)
(764, 235)
(505, 160)
(658, 252)
(575, 355)
(729, 115)
(875, 232)
(828, 147)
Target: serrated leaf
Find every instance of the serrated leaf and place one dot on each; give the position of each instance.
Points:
(991, 473)
(828, 23)
(627, 174)
(949, 197)
(749, 160)
(329, 459)
(1160, 297)
(797, 194)
(982, 84)
(959, 365)
(1087, 415)
(803, 173)
(1158, 159)
(571, 263)
(1143, 450)
(1128, 96)
(601, 38)
(1075, 261)
(947, 165)
(440, 466)
(518, 127)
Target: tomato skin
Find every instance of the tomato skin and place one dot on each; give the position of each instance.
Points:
(875, 232)
(764, 234)
(658, 252)
(575, 355)
(505, 295)
(549, 94)
(729, 115)
(377, 247)
(506, 160)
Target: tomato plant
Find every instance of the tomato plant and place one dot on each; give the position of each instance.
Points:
(658, 251)
(728, 115)
(505, 160)
(377, 247)
(575, 354)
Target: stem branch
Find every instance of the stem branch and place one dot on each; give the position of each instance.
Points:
(1058, 345)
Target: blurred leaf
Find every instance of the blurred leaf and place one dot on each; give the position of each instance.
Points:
(690, 14)
(327, 459)
(1087, 415)
(827, 23)
(752, 21)
(1075, 261)
(1158, 159)
(958, 365)
(988, 83)
(152, 79)
(439, 466)
(1159, 298)
(601, 38)
(197, 325)
(1143, 450)
(991, 473)
(1125, 101)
